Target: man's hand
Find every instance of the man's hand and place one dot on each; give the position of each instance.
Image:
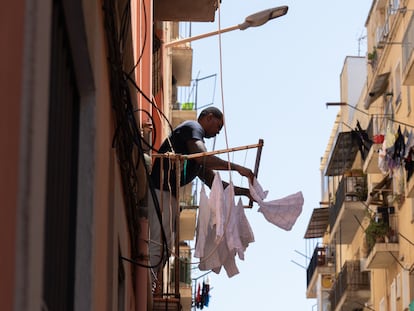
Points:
(244, 171)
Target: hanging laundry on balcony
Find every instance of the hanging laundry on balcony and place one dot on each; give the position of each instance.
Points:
(282, 212)
(362, 139)
(223, 230)
(202, 297)
(198, 297)
(409, 155)
(393, 152)
(205, 294)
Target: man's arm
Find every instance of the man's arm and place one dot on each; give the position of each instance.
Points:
(211, 163)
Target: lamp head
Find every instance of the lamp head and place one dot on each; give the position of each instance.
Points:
(262, 17)
(336, 104)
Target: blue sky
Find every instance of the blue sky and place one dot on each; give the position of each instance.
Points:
(276, 80)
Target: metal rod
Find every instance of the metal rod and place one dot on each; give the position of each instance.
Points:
(209, 34)
(256, 166)
(207, 153)
(177, 229)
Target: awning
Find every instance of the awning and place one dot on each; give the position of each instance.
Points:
(379, 87)
(318, 223)
(343, 155)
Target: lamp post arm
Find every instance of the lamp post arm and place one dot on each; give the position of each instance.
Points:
(253, 20)
(205, 35)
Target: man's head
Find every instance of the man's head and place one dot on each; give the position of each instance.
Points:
(211, 119)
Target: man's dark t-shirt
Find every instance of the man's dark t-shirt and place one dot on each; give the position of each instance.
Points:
(179, 137)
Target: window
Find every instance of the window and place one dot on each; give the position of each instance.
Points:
(395, 4)
(382, 305)
(397, 87)
(393, 300)
(407, 288)
(62, 172)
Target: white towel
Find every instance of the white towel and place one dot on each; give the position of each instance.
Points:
(282, 212)
(203, 223)
(223, 230)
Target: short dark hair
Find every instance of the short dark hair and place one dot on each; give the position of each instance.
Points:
(213, 110)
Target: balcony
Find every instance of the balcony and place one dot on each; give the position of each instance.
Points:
(182, 64)
(185, 10)
(382, 240)
(175, 292)
(382, 255)
(166, 304)
(351, 288)
(348, 209)
(180, 115)
(320, 269)
(378, 87)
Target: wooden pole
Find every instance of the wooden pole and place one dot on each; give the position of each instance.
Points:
(207, 153)
(256, 166)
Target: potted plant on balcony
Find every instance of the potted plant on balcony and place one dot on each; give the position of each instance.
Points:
(372, 57)
(376, 232)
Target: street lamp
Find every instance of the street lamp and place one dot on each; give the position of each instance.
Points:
(254, 20)
(348, 105)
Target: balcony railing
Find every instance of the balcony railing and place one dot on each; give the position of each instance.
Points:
(348, 206)
(382, 241)
(351, 288)
(322, 256)
(321, 269)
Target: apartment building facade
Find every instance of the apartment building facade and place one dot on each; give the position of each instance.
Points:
(363, 233)
(87, 85)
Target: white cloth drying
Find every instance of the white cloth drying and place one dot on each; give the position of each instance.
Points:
(282, 212)
(223, 230)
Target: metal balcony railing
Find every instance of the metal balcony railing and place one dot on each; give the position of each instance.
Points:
(349, 189)
(351, 281)
(390, 234)
(322, 255)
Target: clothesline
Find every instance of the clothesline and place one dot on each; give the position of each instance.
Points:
(206, 153)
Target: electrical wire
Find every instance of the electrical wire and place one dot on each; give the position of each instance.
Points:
(127, 137)
(144, 41)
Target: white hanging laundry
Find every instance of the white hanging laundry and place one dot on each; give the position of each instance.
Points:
(203, 223)
(383, 156)
(282, 212)
(217, 204)
(209, 256)
(225, 233)
(216, 252)
(239, 233)
(231, 231)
